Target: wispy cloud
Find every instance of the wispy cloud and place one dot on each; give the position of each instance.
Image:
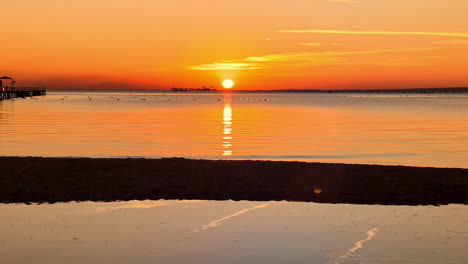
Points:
(217, 222)
(408, 62)
(378, 32)
(358, 245)
(454, 41)
(319, 44)
(226, 66)
(344, 1)
(294, 59)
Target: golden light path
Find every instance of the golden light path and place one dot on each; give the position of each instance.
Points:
(227, 129)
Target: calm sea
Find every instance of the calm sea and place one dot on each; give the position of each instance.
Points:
(352, 128)
(421, 130)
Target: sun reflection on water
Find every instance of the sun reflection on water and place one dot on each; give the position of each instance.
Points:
(227, 127)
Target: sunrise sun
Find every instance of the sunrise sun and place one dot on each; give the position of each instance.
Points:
(228, 83)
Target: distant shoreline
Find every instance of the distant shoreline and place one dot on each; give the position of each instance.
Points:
(39, 180)
(441, 90)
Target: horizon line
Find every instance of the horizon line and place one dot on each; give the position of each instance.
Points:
(261, 90)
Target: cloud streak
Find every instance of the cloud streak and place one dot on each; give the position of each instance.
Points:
(344, 1)
(319, 44)
(226, 66)
(295, 59)
(454, 41)
(377, 32)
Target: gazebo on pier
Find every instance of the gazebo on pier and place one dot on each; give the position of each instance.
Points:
(7, 83)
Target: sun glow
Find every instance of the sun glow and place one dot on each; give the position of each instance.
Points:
(228, 83)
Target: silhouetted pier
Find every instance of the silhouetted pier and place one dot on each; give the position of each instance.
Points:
(21, 92)
(8, 90)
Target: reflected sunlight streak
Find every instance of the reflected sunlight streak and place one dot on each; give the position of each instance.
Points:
(107, 207)
(217, 222)
(227, 130)
(127, 205)
(358, 245)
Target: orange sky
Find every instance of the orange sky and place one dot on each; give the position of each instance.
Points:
(260, 44)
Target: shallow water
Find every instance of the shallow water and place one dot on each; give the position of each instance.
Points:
(421, 130)
(231, 232)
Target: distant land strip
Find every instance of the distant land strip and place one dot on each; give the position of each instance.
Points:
(51, 180)
(451, 90)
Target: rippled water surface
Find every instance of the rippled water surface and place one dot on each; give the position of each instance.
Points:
(422, 130)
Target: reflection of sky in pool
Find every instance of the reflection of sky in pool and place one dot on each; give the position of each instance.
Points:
(232, 232)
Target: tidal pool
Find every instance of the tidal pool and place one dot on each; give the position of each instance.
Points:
(168, 231)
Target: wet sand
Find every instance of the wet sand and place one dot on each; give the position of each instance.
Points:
(38, 180)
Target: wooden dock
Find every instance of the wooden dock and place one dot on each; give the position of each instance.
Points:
(21, 92)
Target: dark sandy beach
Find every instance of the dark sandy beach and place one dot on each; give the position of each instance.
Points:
(37, 180)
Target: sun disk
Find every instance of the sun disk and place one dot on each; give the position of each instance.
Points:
(228, 83)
